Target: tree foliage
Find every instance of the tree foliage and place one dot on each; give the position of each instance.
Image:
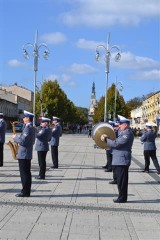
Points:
(99, 111)
(83, 114)
(134, 103)
(137, 101)
(121, 108)
(56, 103)
(120, 103)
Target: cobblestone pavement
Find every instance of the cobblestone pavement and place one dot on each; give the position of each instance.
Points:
(75, 202)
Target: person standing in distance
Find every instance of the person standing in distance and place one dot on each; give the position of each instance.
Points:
(25, 141)
(42, 145)
(121, 157)
(3, 127)
(148, 140)
(56, 134)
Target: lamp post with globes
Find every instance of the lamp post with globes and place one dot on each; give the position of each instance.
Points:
(115, 96)
(40, 96)
(36, 48)
(107, 58)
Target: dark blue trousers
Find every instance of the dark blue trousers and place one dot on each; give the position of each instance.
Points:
(1, 154)
(121, 173)
(54, 153)
(25, 174)
(151, 154)
(42, 163)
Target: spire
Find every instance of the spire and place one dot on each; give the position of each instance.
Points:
(93, 89)
(93, 104)
(93, 94)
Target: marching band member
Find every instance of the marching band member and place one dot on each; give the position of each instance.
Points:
(42, 145)
(121, 156)
(26, 141)
(3, 127)
(148, 139)
(56, 133)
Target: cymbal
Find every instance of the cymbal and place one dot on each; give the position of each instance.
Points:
(100, 129)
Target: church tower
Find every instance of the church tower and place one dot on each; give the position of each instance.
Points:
(93, 104)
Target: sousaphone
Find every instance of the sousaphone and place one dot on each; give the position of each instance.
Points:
(102, 128)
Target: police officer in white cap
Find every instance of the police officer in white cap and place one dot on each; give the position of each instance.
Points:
(121, 156)
(42, 146)
(25, 141)
(56, 133)
(3, 127)
(148, 139)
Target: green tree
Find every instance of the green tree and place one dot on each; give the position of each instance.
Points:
(82, 115)
(120, 103)
(56, 103)
(53, 99)
(137, 101)
(99, 111)
(121, 108)
(134, 103)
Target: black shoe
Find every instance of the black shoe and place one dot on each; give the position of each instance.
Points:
(53, 167)
(147, 171)
(113, 182)
(108, 170)
(119, 201)
(22, 195)
(1, 165)
(40, 177)
(104, 166)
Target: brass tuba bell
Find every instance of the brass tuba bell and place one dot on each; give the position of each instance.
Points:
(13, 146)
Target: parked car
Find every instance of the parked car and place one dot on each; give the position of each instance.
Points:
(19, 127)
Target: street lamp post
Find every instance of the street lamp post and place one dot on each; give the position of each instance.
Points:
(108, 51)
(36, 48)
(115, 96)
(40, 96)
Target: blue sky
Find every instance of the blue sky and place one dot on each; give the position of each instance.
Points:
(72, 29)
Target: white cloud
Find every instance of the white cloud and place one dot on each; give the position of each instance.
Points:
(67, 77)
(81, 69)
(52, 77)
(86, 44)
(15, 63)
(66, 80)
(131, 61)
(148, 75)
(63, 79)
(107, 13)
(54, 38)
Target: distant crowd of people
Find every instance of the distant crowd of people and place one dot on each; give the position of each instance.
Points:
(80, 129)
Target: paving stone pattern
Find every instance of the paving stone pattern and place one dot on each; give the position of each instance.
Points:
(75, 202)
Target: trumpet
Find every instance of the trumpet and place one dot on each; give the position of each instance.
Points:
(13, 146)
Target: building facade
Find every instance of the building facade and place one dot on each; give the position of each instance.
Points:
(13, 100)
(149, 111)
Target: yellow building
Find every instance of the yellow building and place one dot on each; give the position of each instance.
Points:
(149, 111)
(151, 108)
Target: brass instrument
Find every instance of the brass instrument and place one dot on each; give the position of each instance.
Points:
(13, 146)
(102, 128)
